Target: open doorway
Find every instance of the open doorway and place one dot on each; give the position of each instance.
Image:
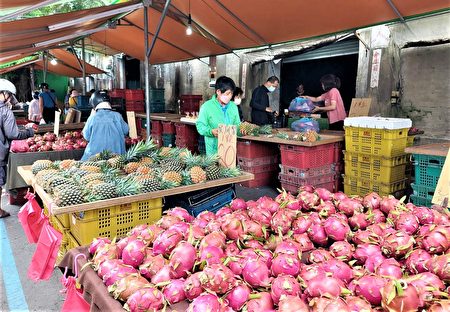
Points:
(133, 73)
(307, 69)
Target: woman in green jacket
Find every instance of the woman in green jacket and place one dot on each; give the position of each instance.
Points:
(218, 110)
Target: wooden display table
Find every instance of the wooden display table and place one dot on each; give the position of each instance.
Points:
(326, 137)
(435, 149)
(28, 176)
(62, 127)
(160, 116)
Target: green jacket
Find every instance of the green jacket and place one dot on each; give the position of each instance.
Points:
(210, 116)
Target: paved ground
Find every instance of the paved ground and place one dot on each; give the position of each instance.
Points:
(17, 292)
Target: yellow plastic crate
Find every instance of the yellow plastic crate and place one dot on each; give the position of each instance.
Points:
(71, 242)
(355, 186)
(64, 219)
(410, 140)
(379, 142)
(377, 168)
(115, 221)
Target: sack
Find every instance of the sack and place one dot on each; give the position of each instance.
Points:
(19, 146)
(32, 218)
(44, 258)
(300, 104)
(74, 301)
(305, 124)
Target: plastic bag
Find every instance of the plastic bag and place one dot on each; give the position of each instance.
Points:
(19, 146)
(74, 301)
(305, 124)
(44, 258)
(300, 104)
(32, 218)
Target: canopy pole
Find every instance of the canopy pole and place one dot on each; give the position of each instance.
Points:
(32, 78)
(45, 66)
(83, 57)
(147, 73)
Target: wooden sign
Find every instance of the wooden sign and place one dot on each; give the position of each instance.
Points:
(70, 116)
(360, 107)
(56, 125)
(442, 193)
(131, 118)
(77, 116)
(227, 145)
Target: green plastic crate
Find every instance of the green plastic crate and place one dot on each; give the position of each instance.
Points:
(421, 201)
(427, 169)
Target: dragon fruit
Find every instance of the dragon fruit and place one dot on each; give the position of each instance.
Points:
(281, 222)
(213, 239)
(388, 203)
(97, 242)
(117, 273)
(254, 229)
(238, 204)
(319, 255)
(325, 209)
(407, 222)
(105, 252)
(166, 242)
(304, 242)
(260, 215)
(397, 244)
(261, 302)
(107, 266)
(336, 229)
(324, 286)
(217, 278)
(308, 200)
(437, 240)
(284, 285)
(288, 247)
(212, 255)
(174, 291)
(440, 265)
(180, 213)
(369, 287)
(238, 296)
(338, 269)
(415, 261)
(149, 233)
(365, 237)
(357, 304)
(167, 221)
(349, 206)
(342, 250)
(151, 265)
(232, 227)
(256, 273)
(134, 253)
(205, 302)
(372, 201)
(389, 268)
(323, 194)
(192, 286)
(145, 299)
(398, 295)
(292, 304)
(126, 286)
(286, 264)
(424, 215)
(182, 259)
(364, 251)
(317, 234)
(359, 221)
(301, 224)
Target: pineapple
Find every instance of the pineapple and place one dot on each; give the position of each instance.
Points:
(135, 153)
(173, 176)
(229, 172)
(265, 129)
(102, 191)
(68, 196)
(105, 155)
(91, 184)
(171, 164)
(44, 175)
(126, 186)
(198, 175)
(144, 170)
(146, 160)
(116, 162)
(41, 164)
(91, 169)
(248, 128)
(212, 172)
(57, 181)
(165, 151)
(191, 160)
(149, 185)
(131, 167)
(67, 163)
(91, 177)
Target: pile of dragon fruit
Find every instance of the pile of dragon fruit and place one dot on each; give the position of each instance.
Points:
(319, 251)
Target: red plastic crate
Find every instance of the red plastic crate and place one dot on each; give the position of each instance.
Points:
(156, 127)
(338, 155)
(251, 149)
(286, 178)
(293, 188)
(251, 162)
(309, 172)
(134, 95)
(190, 103)
(260, 169)
(157, 139)
(186, 132)
(307, 157)
(135, 106)
(117, 93)
(261, 179)
(168, 127)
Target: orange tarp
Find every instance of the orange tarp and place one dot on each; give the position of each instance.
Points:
(4, 4)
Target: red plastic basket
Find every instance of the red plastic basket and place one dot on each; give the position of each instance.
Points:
(186, 132)
(135, 106)
(309, 172)
(261, 179)
(307, 157)
(190, 103)
(293, 188)
(156, 127)
(286, 178)
(134, 95)
(157, 139)
(118, 93)
(260, 169)
(168, 127)
(251, 162)
(251, 149)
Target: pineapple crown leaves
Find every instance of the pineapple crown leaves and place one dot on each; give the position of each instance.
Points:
(193, 160)
(209, 160)
(230, 172)
(186, 176)
(165, 184)
(126, 186)
(139, 150)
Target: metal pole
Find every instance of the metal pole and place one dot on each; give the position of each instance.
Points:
(84, 66)
(147, 74)
(45, 66)
(32, 77)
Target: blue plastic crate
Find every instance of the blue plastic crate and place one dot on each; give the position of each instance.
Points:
(157, 107)
(421, 201)
(157, 95)
(168, 140)
(427, 169)
(83, 101)
(213, 203)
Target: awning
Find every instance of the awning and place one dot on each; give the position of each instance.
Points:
(220, 26)
(67, 64)
(6, 4)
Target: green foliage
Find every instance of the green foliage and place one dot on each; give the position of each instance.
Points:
(67, 6)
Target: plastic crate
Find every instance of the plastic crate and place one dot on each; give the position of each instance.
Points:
(260, 161)
(186, 132)
(293, 188)
(190, 103)
(309, 172)
(135, 106)
(156, 126)
(157, 95)
(422, 190)
(317, 180)
(355, 186)
(157, 107)
(157, 139)
(261, 168)
(251, 149)
(168, 140)
(117, 103)
(261, 179)
(117, 93)
(307, 157)
(64, 219)
(421, 201)
(214, 203)
(71, 242)
(168, 127)
(134, 95)
(378, 123)
(427, 169)
(115, 221)
(376, 168)
(379, 142)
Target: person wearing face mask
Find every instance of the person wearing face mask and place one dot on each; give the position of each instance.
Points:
(218, 110)
(334, 105)
(260, 101)
(237, 99)
(8, 130)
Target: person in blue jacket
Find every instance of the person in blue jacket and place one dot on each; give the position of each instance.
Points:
(104, 130)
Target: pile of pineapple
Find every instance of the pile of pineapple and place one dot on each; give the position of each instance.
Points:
(144, 168)
(248, 128)
(307, 136)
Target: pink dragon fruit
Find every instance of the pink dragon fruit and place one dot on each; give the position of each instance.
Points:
(256, 273)
(317, 234)
(342, 250)
(281, 222)
(260, 215)
(232, 227)
(174, 291)
(126, 286)
(164, 275)
(117, 273)
(415, 261)
(213, 239)
(308, 272)
(167, 221)
(389, 268)
(145, 299)
(407, 222)
(182, 259)
(192, 286)
(152, 265)
(336, 229)
(238, 296)
(325, 209)
(324, 286)
(205, 302)
(372, 201)
(97, 242)
(286, 264)
(238, 204)
(261, 302)
(303, 240)
(217, 278)
(212, 255)
(349, 206)
(338, 269)
(289, 247)
(166, 242)
(292, 304)
(319, 255)
(107, 266)
(437, 240)
(284, 285)
(105, 252)
(134, 253)
(397, 244)
(369, 286)
(301, 224)
(181, 214)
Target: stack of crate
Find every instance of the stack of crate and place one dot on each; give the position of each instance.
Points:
(186, 136)
(261, 159)
(427, 170)
(375, 158)
(157, 102)
(157, 130)
(168, 133)
(190, 103)
(134, 100)
(316, 166)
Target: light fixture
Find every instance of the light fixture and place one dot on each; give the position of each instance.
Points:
(54, 62)
(189, 25)
(68, 37)
(92, 17)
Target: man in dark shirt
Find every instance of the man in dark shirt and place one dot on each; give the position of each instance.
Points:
(260, 101)
(47, 103)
